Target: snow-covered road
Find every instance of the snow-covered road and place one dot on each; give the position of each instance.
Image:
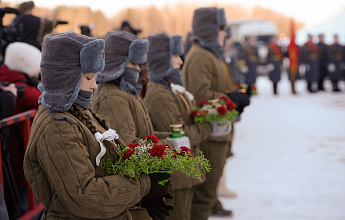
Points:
(289, 161)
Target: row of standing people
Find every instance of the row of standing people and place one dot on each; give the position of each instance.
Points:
(316, 62)
(60, 162)
(321, 60)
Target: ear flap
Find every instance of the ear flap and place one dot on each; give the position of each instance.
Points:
(138, 51)
(175, 45)
(92, 56)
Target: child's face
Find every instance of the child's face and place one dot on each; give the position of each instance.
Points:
(176, 61)
(221, 36)
(88, 82)
(133, 65)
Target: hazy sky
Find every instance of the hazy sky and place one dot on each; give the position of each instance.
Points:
(309, 11)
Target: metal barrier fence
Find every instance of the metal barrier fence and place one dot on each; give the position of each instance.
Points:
(25, 119)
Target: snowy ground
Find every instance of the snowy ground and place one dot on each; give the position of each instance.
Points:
(289, 161)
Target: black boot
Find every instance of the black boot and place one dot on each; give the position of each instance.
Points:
(320, 86)
(293, 88)
(335, 87)
(309, 87)
(249, 90)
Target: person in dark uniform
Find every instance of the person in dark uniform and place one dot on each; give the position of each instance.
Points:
(85, 30)
(310, 59)
(29, 23)
(126, 26)
(325, 58)
(251, 58)
(338, 53)
(275, 59)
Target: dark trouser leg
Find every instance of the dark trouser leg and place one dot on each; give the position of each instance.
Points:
(182, 202)
(335, 86)
(321, 78)
(292, 81)
(275, 85)
(334, 79)
(249, 90)
(205, 195)
(309, 87)
(320, 84)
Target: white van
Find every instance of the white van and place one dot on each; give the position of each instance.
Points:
(261, 29)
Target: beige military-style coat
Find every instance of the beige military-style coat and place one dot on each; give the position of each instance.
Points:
(60, 166)
(166, 108)
(204, 76)
(126, 113)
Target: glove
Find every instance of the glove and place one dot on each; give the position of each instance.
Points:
(157, 207)
(244, 69)
(270, 67)
(220, 128)
(241, 99)
(158, 190)
(302, 69)
(178, 88)
(331, 67)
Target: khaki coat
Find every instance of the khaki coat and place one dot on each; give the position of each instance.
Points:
(60, 166)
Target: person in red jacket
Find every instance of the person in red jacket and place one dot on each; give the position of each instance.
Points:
(22, 68)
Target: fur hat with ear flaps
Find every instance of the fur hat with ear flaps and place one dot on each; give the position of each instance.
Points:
(161, 49)
(24, 58)
(121, 47)
(65, 57)
(206, 25)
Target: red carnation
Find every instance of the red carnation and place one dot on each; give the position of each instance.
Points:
(221, 110)
(203, 102)
(133, 145)
(185, 150)
(152, 138)
(194, 113)
(129, 152)
(158, 151)
(223, 97)
(230, 105)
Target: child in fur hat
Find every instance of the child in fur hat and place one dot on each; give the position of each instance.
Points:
(117, 97)
(68, 139)
(168, 103)
(204, 76)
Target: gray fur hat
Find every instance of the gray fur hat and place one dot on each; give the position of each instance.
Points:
(161, 49)
(228, 32)
(188, 43)
(206, 25)
(65, 57)
(121, 48)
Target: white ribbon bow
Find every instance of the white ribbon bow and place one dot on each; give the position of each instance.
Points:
(108, 135)
(178, 88)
